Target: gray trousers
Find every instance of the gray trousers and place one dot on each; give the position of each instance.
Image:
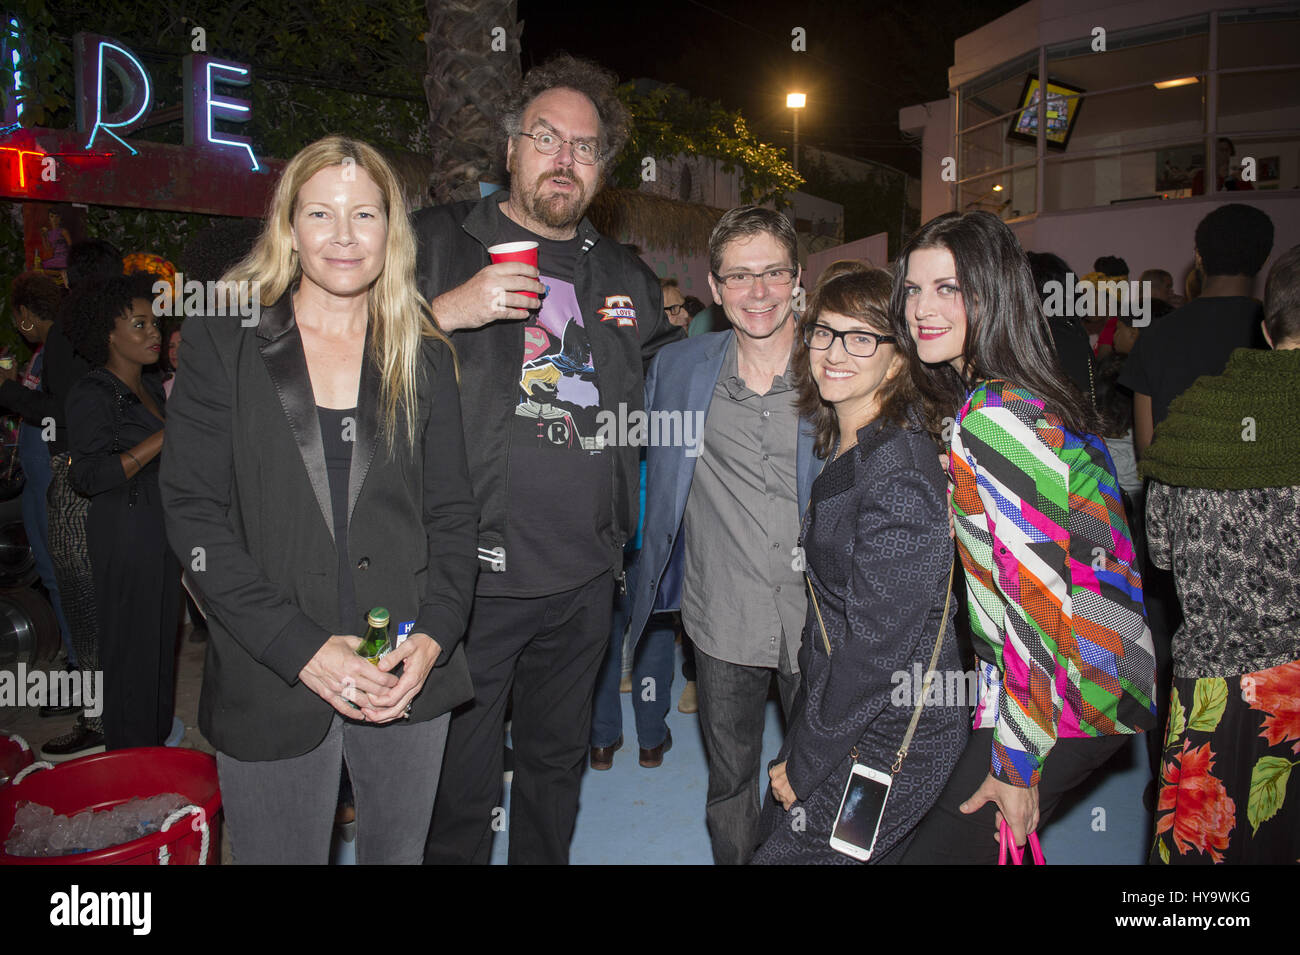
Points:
(281, 812)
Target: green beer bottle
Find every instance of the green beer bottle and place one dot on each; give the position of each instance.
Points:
(376, 642)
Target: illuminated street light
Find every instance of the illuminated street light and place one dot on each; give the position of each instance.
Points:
(796, 102)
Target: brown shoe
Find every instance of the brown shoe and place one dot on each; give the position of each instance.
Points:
(602, 757)
(689, 702)
(650, 758)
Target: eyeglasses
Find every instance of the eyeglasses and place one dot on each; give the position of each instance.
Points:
(777, 278)
(856, 343)
(548, 144)
(674, 310)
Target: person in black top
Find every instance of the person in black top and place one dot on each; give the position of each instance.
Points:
(1232, 244)
(316, 463)
(66, 509)
(550, 353)
(1069, 337)
(115, 425)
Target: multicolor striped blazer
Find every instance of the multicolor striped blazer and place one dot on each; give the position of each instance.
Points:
(1055, 599)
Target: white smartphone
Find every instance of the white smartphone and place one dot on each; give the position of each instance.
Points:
(861, 810)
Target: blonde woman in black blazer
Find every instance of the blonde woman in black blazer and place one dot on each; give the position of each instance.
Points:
(315, 469)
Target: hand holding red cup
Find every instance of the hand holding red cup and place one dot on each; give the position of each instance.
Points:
(490, 294)
(525, 252)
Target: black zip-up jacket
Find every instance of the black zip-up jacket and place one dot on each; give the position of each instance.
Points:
(453, 244)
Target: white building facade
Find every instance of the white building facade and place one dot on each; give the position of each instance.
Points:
(1141, 164)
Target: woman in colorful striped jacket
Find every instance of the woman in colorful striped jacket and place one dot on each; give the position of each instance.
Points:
(1065, 661)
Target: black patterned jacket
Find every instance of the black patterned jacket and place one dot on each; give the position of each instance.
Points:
(879, 554)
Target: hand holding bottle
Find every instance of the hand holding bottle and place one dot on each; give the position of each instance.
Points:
(417, 653)
(339, 677)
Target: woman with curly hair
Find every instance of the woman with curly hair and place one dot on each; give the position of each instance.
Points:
(1223, 512)
(115, 424)
(1066, 668)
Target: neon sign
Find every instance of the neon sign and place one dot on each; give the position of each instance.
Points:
(20, 153)
(97, 53)
(13, 44)
(202, 101)
(97, 56)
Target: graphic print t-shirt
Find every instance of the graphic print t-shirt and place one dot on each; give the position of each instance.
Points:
(559, 497)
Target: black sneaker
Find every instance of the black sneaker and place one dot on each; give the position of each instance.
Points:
(81, 741)
(48, 711)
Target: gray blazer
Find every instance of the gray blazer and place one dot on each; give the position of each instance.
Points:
(247, 502)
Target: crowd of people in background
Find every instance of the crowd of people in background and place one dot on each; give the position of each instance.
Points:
(91, 511)
(924, 465)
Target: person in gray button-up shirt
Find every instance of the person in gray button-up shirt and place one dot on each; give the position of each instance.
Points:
(738, 503)
(742, 598)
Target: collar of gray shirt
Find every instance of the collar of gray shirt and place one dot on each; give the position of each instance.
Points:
(736, 386)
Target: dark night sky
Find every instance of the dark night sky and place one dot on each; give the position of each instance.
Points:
(864, 60)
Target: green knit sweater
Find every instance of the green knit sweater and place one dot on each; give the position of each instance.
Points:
(1233, 431)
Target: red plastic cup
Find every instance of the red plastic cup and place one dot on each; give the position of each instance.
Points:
(525, 252)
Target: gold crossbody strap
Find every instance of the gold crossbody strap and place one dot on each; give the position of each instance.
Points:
(929, 673)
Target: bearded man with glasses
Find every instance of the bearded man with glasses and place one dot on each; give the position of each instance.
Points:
(544, 352)
(733, 509)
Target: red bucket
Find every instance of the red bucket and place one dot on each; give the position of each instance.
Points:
(15, 755)
(109, 779)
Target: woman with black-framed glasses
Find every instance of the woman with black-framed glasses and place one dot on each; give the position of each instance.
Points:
(878, 558)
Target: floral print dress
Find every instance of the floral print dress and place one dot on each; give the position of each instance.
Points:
(1232, 744)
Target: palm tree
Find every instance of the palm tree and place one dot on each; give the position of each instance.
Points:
(465, 79)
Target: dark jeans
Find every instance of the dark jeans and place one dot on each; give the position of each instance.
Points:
(543, 654)
(947, 836)
(733, 700)
(652, 662)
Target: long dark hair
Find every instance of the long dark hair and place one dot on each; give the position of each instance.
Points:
(1007, 335)
(863, 294)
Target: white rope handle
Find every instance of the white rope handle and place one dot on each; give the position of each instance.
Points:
(164, 857)
(22, 743)
(39, 764)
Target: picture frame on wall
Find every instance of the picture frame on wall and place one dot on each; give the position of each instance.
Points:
(1177, 167)
(49, 231)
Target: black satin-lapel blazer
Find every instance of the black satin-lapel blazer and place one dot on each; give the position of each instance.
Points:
(245, 486)
(286, 363)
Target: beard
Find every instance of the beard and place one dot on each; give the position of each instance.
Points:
(555, 211)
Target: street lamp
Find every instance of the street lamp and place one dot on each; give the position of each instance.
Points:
(796, 102)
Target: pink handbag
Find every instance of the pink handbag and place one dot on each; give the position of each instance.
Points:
(1017, 855)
